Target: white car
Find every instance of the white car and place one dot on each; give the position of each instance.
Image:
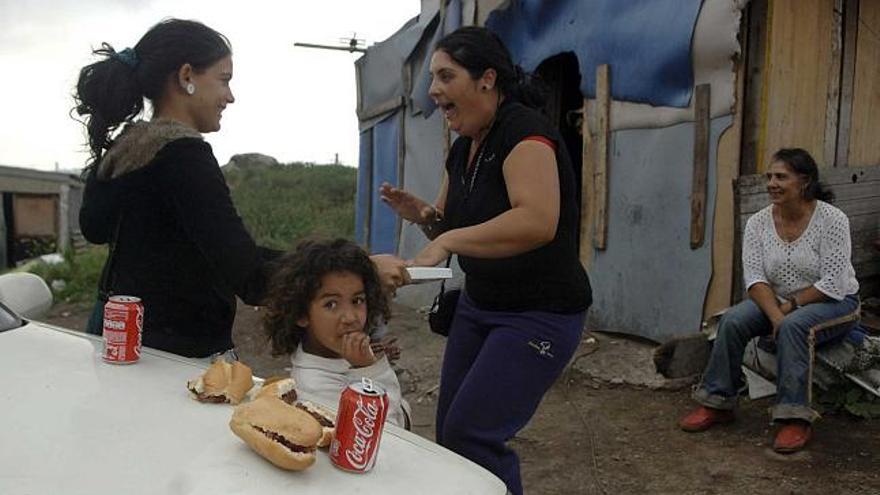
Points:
(73, 424)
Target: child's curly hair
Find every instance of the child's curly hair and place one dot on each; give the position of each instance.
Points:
(297, 279)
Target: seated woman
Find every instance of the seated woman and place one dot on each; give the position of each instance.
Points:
(802, 291)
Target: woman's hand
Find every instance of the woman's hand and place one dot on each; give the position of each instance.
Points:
(391, 270)
(776, 321)
(356, 349)
(407, 206)
(432, 254)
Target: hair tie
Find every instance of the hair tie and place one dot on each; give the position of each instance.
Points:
(127, 57)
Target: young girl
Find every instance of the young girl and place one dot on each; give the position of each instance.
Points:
(321, 304)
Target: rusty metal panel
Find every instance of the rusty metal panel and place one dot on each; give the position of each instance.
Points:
(35, 215)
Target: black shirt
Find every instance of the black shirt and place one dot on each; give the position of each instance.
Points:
(549, 278)
(181, 247)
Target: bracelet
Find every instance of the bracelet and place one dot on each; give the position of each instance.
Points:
(430, 227)
(436, 217)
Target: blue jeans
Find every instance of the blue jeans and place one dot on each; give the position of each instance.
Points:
(496, 369)
(798, 335)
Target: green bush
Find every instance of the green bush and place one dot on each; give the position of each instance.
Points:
(75, 280)
(849, 398)
(279, 206)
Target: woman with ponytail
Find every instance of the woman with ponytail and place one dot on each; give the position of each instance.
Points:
(507, 207)
(155, 193)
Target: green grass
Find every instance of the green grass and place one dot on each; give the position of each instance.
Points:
(279, 206)
(284, 204)
(75, 280)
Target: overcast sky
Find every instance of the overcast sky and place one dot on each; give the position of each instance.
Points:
(295, 104)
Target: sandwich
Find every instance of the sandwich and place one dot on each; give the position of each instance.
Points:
(324, 417)
(222, 383)
(282, 388)
(285, 436)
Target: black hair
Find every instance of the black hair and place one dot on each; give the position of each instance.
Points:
(297, 279)
(112, 91)
(803, 164)
(478, 49)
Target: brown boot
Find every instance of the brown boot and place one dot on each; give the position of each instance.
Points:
(703, 418)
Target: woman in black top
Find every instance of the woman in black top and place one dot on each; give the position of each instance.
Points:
(156, 194)
(507, 207)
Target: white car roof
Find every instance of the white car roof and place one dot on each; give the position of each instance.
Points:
(73, 424)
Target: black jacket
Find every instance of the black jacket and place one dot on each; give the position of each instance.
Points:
(181, 246)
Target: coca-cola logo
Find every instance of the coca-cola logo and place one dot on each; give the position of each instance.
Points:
(364, 420)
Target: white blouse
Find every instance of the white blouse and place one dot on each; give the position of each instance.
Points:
(820, 257)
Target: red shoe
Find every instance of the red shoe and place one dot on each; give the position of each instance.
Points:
(703, 418)
(792, 437)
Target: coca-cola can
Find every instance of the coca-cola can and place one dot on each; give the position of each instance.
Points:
(363, 407)
(123, 325)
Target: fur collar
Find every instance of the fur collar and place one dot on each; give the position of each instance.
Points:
(139, 143)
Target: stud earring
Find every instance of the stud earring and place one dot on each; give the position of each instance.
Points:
(485, 88)
(190, 89)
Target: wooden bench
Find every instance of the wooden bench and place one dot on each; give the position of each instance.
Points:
(856, 193)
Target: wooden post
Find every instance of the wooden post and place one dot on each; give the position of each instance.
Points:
(832, 105)
(737, 288)
(588, 190)
(702, 103)
(847, 80)
(600, 174)
(64, 218)
(755, 49)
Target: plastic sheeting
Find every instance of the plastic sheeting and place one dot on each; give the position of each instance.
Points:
(424, 174)
(713, 50)
(380, 69)
(646, 42)
(649, 282)
(420, 99)
(378, 164)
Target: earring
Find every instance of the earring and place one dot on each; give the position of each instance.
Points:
(486, 88)
(190, 89)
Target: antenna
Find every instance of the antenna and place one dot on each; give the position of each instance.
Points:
(352, 44)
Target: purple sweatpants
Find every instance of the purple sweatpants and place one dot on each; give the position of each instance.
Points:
(496, 369)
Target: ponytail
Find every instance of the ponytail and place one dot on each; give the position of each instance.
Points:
(111, 91)
(107, 94)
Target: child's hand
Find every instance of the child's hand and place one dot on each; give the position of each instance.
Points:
(389, 346)
(356, 349)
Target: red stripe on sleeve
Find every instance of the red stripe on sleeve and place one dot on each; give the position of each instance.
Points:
(542, 139)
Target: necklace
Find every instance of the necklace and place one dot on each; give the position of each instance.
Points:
(469, 187)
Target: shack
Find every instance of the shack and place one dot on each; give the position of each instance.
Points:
(669, 109)
(40, 213)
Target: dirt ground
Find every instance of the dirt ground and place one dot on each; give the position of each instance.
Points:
(596, 433)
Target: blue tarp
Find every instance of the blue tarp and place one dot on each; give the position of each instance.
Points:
(383, 224)
(647, 43)
(420, 99)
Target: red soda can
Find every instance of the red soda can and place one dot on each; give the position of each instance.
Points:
(123, 324)
(363, 407)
